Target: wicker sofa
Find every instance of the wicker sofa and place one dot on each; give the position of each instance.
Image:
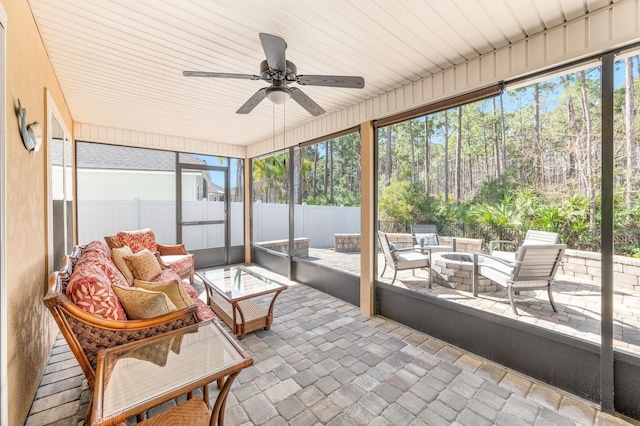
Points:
(82, 300)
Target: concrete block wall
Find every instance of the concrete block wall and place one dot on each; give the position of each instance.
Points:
(585, 265)
(347, 243)
(300, 246)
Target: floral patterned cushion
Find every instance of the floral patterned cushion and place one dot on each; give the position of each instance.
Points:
(98, 247)
(105, 264)
(204, 312)
(138, 240)
(90, 289)
(179, 263)
(144, 265)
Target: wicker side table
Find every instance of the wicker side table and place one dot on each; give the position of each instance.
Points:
(229, 293)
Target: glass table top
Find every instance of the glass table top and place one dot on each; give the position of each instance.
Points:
(146, 370)
(237, 282)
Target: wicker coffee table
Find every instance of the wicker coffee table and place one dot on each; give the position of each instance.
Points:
(229, 293)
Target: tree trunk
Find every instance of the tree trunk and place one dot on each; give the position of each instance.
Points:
(297, 176)
(387, 158)
(496, 141)
(486, 145)
(326, 169)
(503, 135)
(538, 154)
(427, 156)
(589, 157)
(573, 154)
(629, 139)
(331, 172)
(459, 156)
(446, 156)
(414, 174)
(315, 170)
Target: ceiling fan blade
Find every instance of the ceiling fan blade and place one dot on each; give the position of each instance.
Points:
(274, 48)
(331, 81)
(306, 102)
(253, 101)
(220, 75)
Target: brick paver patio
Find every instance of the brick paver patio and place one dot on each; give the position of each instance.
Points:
(324, 363)
(578, 301)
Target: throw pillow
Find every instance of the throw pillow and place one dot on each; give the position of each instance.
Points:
(394, 251)
(89, 288)
(138, 240)
(427, 239)
(143, 265)
(172, 288)
(139, 303)
(117, 255)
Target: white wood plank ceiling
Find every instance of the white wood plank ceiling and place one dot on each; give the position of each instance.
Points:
(120, 62)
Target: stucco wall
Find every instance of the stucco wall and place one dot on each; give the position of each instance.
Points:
(30, 328)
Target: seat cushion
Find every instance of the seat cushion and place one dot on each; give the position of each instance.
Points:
(204, 311)
(433, 249)
(509, 256)
(411, 260)
(194, 412)
(178, 263)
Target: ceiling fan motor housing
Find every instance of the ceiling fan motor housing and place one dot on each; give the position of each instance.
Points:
(268, 74)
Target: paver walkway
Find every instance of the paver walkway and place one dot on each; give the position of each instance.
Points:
(324, 363)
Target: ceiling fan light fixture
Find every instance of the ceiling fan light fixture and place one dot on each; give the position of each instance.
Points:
(278, 95)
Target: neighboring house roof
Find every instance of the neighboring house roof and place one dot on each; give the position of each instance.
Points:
(113, 157)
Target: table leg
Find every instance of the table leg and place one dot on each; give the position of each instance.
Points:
(270, 314)
(217, 414)
(238, 329)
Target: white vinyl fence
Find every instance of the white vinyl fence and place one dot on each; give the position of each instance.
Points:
(318, 223)
(98, 218)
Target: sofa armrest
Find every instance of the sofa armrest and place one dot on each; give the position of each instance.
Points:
(171, 249)
(87, 334)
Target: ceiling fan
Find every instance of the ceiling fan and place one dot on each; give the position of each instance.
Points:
(280, 73)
